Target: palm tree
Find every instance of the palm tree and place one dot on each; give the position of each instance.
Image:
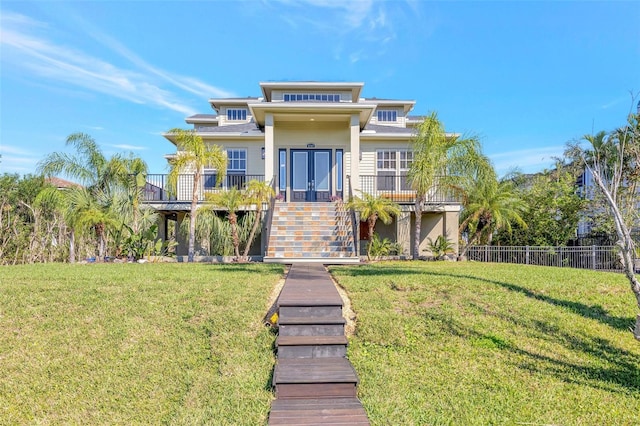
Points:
(372, 208)
(99, 175)
(439, 161)
(231, 200)
(491, 205)
(192, 156)
(258, 193)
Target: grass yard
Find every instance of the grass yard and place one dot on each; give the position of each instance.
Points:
(469, 343)
(135, 344)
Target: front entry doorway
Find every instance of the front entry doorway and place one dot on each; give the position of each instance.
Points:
(310, 174)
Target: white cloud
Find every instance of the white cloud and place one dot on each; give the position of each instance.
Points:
(24, 49)
(526, 160)
(129, 147)
(355, 22)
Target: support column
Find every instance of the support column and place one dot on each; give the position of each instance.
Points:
(355, 152)
(269, 147)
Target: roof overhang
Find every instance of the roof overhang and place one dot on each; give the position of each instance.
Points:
(354, 87)
(216, 103)
(201, 120)
(322, 111)
(406, 106)
(375, 136)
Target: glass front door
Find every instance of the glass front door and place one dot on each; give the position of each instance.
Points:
(310, 174)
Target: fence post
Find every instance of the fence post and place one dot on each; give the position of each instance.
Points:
(526, 255)
(593, 256)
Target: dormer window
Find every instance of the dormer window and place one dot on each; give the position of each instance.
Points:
(387, 115)
(236, 114)
(301, 97)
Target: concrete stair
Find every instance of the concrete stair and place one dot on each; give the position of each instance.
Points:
(311, 232)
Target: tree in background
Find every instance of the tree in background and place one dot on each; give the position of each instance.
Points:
(552, 209)
(371, 208)
(613, 160)
(440, 162)
(192, 156)
(100, 177)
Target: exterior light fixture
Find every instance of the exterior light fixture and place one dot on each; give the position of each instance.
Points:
(262, 152)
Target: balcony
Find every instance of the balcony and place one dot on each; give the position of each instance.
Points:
(397, 189)
(157, 187)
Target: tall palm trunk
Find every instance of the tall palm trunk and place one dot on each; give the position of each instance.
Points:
(418, 225)
(192, 217)
(371, 223)
(233, 221)
(72, 246)
(100, 227)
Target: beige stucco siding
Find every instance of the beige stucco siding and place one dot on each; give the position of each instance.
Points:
(255, 163)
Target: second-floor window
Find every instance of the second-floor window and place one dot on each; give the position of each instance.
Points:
(236, 114)
(236, 161)
(392, 167)
(387, 115)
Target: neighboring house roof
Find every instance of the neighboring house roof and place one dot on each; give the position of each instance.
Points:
(61, 183)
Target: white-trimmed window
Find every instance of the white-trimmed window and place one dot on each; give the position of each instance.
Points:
(389, 115)
(236, 160)
(236, 167)
(405, 159)
(387, 165)
(236, 114)
(322, 97)
(392, 166)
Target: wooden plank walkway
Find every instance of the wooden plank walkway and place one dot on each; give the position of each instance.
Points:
(315, 383)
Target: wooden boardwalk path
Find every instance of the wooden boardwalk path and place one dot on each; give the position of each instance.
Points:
(315, 383)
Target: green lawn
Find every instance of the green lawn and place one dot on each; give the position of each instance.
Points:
(436, 343)
(135, 344)
(469, 343)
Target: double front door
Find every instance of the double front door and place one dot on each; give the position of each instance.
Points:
(310, 174)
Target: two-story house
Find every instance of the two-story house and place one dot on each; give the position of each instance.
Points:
(316, 142)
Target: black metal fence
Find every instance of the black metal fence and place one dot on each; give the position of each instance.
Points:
(585, 257)
(157, 186)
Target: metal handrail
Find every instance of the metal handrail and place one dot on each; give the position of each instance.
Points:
(398, 189)
(354, 220)
(157, 187)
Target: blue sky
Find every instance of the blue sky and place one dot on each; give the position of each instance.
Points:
(525, 76)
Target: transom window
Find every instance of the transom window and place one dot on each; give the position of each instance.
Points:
(323, 97)
(387, 115)
(236, 161)
(236, 114)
